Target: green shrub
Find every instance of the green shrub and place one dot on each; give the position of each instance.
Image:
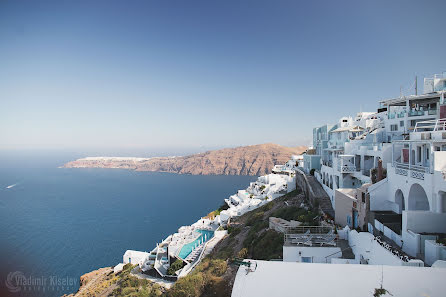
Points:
(252, 234)
(128, 291)
(225, 253)
(268, 245)
(243, 253)
(206, 276)
(188, 286)
(177, 265)
(255, 217)
(217, 267)
(297, 214)
(267, 206)
(233, 231)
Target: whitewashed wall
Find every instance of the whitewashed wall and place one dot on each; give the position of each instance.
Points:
(433, 252)
(319, 254)
(363, 244)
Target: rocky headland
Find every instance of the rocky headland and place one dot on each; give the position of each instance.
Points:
(245, 160)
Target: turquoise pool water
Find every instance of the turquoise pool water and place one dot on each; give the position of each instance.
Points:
(187, 248)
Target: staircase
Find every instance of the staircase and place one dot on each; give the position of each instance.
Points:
(314, 192)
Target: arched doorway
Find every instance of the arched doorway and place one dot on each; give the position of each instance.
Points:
(418, 198)
(399, 199)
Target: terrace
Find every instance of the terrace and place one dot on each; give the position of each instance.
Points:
(310, 236)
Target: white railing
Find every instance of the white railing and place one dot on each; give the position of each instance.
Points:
(415, 171)
(432, 125)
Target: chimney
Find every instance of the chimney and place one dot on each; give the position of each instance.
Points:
(380, 170)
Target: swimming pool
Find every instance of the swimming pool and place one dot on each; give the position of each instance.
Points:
(187, 248)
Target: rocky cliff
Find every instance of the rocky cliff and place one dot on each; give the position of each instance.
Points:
(245, 160)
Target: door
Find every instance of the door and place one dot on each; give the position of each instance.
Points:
(355, 219)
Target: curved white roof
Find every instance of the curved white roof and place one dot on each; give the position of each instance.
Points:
(289, 279)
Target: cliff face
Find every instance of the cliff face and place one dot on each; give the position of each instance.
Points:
(246, 160)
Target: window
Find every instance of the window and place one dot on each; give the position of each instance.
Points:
(354, 205)
(306, 259)
(419, 153)
(394, 127)
(401, 123)
(363, 197)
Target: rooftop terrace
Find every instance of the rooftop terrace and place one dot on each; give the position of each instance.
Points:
(310, 236)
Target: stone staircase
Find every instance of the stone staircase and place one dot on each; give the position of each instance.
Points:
(314, 192)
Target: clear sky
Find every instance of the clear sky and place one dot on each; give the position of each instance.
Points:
(146, 75)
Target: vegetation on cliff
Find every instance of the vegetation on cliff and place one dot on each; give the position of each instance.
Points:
(248, 237)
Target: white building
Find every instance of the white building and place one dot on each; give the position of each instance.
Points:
(408, 135)
(265, 189)
(415, 188)
(134, 257)
(354, 148)
(310, 244)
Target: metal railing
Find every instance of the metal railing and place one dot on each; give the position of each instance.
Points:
(310, 235)
(304, 229)
(431, 125)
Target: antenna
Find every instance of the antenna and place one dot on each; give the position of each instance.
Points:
(416, 85)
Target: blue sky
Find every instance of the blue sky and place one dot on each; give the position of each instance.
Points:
(153, 75)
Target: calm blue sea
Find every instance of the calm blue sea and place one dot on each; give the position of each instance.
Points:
(62, 223)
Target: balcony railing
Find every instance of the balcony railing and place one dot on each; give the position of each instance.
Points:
(346, 168)
(414, 171)
(414, 113)
(432, 125)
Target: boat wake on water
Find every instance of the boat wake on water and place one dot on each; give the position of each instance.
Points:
(11, 186)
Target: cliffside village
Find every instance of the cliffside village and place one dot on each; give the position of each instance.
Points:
(379, 179)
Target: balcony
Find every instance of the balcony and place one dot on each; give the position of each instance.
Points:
(346, 164)
(414, 171)
(346, 168)
(398, 115)
(422, 112)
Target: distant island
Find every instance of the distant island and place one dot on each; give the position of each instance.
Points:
(245, 160)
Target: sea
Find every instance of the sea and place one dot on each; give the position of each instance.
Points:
(59, 223)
